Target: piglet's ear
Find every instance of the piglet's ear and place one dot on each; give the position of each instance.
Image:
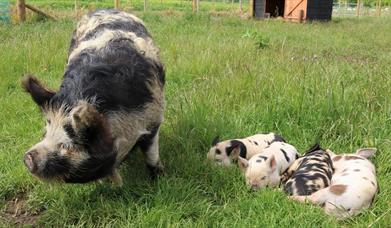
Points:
(215, 140)
(235, 152)
(236, 149)
(40, 94)
(272, 163)
(366, 152)
(243, 164)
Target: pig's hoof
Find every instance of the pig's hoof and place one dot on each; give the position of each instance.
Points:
(116, 178)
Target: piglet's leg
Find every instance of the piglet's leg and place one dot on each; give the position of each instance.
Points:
(318, 197)
(300, 198)
(149, 144)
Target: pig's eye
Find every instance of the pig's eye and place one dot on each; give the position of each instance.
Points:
(218, 151)
(263, 178)
(63, 146)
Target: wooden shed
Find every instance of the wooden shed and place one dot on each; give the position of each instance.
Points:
(293, 10)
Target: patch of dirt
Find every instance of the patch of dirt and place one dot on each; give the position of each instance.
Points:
(16, 212)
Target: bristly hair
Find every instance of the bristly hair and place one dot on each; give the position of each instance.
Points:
(215, 140)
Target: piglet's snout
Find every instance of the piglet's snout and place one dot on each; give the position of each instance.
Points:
(254, 187)
(29, 160)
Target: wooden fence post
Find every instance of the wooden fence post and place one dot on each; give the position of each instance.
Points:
(194, 3)
(241, 6)
(378, 8)
(358, 8)
(21, 5)
(116, 4)
(76, 9)
(145, 5)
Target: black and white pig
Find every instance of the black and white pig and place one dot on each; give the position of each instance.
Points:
(110, 101)
(309, 173)
(353, 185)
(225, 152)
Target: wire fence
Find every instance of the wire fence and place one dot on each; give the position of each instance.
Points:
(76, 8)
(353, 9)
(4, 11)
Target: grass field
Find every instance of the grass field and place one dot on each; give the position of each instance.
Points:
(225, 76)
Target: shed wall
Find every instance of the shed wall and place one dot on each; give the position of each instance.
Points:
(319, 9)
(259, 8)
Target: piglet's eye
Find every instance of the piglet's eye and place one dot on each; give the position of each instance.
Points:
(263, 178)
(218, 151)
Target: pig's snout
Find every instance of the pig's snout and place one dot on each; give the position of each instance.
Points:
(30, 160)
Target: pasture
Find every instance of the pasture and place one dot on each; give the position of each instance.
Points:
(225, 76)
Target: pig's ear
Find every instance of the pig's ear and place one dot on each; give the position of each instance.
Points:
(91, 128)
(272, 163)
(215, 140)
(40, 94)
(235, 153)
(235, 150)
(243, 164)
(366, 152)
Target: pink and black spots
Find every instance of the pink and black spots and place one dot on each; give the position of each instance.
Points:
(228, 151)
(309, 173)
(261, 158)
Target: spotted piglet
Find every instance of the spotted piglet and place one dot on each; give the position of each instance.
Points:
(309, 173)
(265, 169)
(225, 152)
(353, 185)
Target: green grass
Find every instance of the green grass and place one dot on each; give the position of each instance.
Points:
(228, 77)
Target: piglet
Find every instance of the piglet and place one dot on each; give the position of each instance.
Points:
(353, 185)
(225, 152)
(265, 169)
(309, 173)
